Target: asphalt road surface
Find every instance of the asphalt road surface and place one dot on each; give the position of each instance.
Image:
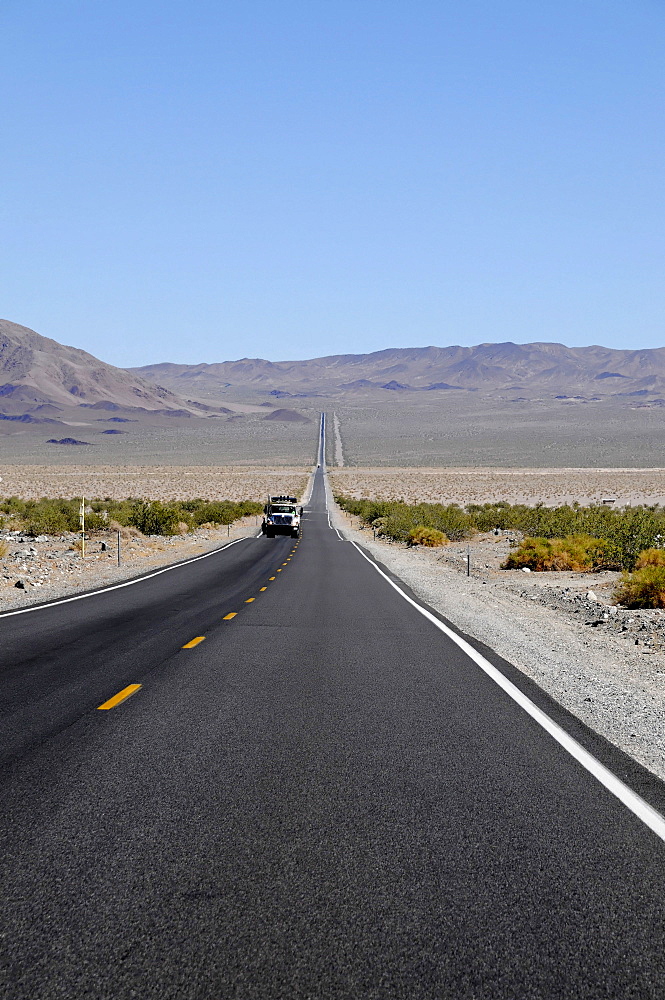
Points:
(323, 798)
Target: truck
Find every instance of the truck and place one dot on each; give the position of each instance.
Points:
(281, 516)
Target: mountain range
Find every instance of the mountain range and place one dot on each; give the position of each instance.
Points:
(538, 368)
(40, 378)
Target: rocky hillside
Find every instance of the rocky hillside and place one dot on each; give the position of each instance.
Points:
(36, 371)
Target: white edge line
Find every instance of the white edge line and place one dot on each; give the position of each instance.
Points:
(637, 805)
(126, 583)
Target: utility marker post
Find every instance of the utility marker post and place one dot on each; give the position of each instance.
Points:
(468, 560)
(82, 523)
(118, 548)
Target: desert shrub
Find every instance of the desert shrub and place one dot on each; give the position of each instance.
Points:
(152, 517)
(430, 537)
(579, 553)
(4, 549)
(396, 519)
(126, 531)
(650, 557)
(51, 515)
(625, 532)
(645, 588)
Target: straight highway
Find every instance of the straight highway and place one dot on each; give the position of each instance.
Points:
(299, 787)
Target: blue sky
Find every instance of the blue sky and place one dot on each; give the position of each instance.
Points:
(291, 178)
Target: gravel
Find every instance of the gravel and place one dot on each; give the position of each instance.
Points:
(605, 664)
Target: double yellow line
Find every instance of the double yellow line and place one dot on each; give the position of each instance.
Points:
(131, 689)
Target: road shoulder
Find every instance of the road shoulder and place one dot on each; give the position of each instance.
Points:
(619, 696)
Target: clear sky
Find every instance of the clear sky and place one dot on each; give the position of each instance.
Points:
(212, 179)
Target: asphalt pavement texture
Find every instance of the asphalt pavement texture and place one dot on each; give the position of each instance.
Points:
(323, 798)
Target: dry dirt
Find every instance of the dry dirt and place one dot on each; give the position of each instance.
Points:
(30, 482)
(485, 485)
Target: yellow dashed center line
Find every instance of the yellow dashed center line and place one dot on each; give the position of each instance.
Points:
(194, 642)
(229, 617)
(249, 600)
(263, 588)
(119, 697)
(284, 564)
(279, 571)
(271, 577)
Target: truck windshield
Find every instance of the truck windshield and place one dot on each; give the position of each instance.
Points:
(280, 508)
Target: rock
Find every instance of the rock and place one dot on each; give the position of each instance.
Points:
(525, 569)
(591, 596)
(20, 584)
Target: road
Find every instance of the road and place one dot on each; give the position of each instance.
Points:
(325, 797)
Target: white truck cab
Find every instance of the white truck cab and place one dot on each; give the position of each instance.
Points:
(281, 516)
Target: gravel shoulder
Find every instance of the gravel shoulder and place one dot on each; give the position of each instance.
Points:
(604, 664)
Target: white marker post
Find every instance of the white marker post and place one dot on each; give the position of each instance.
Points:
(82, 522)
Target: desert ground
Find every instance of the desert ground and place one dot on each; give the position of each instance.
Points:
(152, 482)
(485, 485)
(240, 439)
(467, 429)
(413, 485)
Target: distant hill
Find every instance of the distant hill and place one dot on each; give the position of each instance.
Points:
(538, 368)
(36, 372)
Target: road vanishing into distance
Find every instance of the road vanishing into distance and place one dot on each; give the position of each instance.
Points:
(316, 792)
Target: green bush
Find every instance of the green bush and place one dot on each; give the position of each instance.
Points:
(154, 518)
(430, 537)
(625, 532)
(396, 520)
(645, 588)
(57, 515)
